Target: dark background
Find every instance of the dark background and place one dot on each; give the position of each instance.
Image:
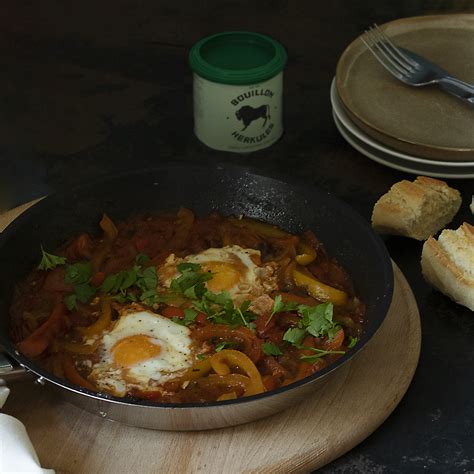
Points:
(90, 88)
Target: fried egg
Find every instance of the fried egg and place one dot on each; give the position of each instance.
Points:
(236, 270)
(142, 351)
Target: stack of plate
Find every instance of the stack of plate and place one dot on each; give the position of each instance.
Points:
(420, 130)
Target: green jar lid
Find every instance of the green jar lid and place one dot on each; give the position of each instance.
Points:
(237, 57)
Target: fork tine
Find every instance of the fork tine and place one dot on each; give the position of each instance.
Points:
(381, 59)
(395, 48)
(380, 42)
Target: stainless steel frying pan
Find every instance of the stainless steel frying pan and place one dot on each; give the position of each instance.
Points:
(230, 190)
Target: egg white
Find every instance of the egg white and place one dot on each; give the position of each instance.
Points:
(174, 357)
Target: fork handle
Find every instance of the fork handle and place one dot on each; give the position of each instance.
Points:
(460, 89)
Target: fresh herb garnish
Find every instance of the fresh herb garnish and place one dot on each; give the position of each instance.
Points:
(71, 302)
(269, 348)
(279, 306)
(191, 282)
(224, 345)
(78, 275)
(315, 321)
(294, 336)
(352, 342)
(220, 309)
(50, 261)
(189, 317)
(318, 353)
(134, 284)
(200, 357)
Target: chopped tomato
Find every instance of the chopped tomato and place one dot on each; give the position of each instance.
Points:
(97, 279)
(264, 324)
(80, 248)
(335, 343)
(201, 319)
(172, 312)
(38, 341)
(141, 243)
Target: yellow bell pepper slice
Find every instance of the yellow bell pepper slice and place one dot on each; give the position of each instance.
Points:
(237, 359)
(198, 370)
(219, 366)
(317, 289)
(306, 253)
(227, 396)
(104, 320)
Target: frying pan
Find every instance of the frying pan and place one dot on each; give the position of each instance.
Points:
(229, 190)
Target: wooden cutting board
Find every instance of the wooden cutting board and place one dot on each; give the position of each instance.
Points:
(350, 407)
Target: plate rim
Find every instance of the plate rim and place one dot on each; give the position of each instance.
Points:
(459, 152)
(352, 127)
(371, 155)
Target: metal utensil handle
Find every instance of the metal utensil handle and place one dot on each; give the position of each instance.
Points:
(9, 367)
(460, 89)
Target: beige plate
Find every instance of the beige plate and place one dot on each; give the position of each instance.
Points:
(423, 121)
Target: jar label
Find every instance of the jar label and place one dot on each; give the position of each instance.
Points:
(239, 118)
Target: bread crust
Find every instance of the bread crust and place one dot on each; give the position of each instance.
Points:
(416, 209)
(440, 270)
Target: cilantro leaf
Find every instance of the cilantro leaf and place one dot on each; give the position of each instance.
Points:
(221, 310)
(70, 302)
(224, 345)
(84, 292)
(189, 317)
(200, 357)
(150, 297)
(196, 291)
(279, 307)
(141, 258)
(269, 348)
(147, 279)
(318, 319)
(352, 342)
(50, 261)
(109, 283)
(78, 273)
(184, 267)
(124, 284)
(319, 353)
(294, 335)
(221, 299)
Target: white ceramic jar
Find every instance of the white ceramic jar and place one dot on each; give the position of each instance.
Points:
(238, 90)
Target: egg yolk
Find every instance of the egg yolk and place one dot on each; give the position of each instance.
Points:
(225, 276)
(133, 350)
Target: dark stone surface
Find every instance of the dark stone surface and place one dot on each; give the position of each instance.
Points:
(99, 87)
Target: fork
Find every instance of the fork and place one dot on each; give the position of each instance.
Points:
(412, 69)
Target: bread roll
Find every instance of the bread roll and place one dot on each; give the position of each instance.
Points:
(448, 264)
(416, 209)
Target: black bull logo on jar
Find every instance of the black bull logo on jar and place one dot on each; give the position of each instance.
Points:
(248, 114)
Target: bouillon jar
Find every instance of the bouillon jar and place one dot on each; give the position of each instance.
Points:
(238, 90)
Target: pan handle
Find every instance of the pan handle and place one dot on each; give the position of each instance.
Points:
(9, 367)
(9, 370)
